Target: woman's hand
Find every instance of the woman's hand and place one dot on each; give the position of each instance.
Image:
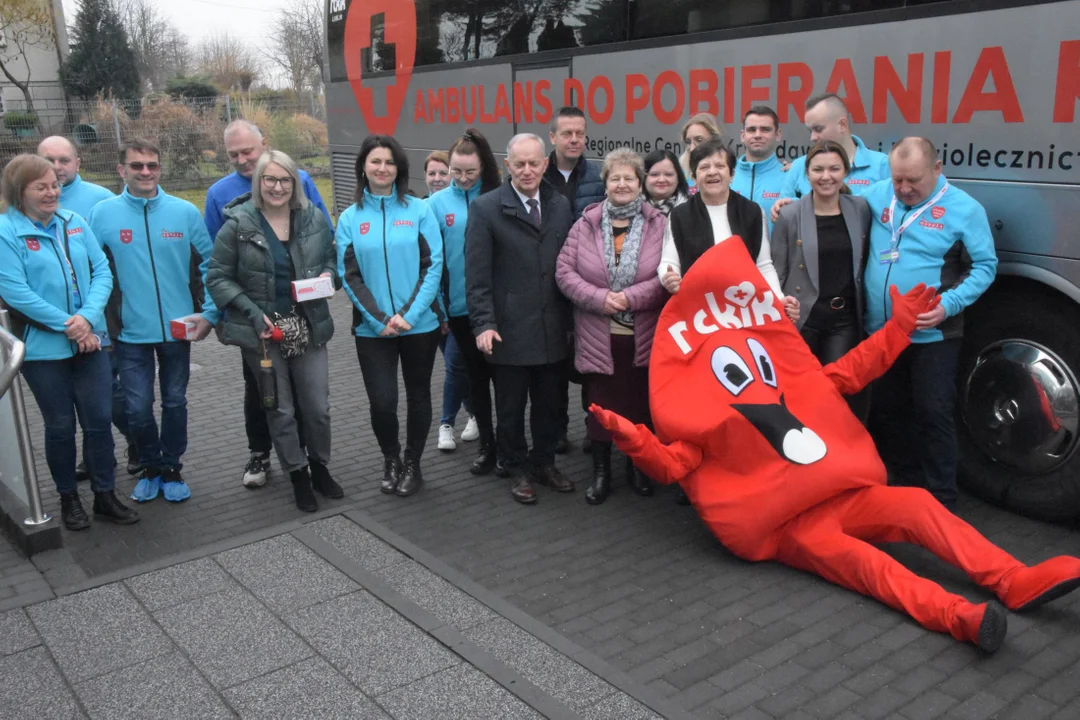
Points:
(615, 303)
(671, 280)
(399, 324)
(77, 328)
(265, 335)
(90, 343)
(792, 307)
(389, 330)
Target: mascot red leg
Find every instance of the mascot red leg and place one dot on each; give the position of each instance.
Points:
(758, 434)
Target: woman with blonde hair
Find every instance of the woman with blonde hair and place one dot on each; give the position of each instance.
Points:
(698, 129)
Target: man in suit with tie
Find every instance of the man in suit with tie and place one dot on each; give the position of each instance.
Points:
(520, 319)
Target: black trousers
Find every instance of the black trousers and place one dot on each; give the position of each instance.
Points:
(255, 425)
(379, 358)
(516, 385)
(913, 421)
(830, 335)
(480, 378)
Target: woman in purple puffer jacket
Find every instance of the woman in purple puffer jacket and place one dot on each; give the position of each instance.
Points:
(607, 269)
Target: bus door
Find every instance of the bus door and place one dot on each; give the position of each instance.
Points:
(538, 92)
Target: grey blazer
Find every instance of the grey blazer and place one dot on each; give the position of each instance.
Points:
(794, 246)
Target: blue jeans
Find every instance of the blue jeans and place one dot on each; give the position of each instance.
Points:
(80, 386)
(137, 364)
(455, 382)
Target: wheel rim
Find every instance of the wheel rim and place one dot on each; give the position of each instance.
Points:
(1020, 406)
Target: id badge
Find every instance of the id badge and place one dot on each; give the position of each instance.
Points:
(888, 257)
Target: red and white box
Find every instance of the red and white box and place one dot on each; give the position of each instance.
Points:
(183, 328)
(316, 288)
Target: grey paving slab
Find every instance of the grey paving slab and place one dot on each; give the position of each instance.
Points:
(284, 574)
(359, 545)
(380, 650)
(310, 688)
(538, 663)
(618, 705)
(179, 583)
(163, 688)
(33, 688)
(16, 633)
(435, 595)
(231, 637)
(457, 693)
(95, 632)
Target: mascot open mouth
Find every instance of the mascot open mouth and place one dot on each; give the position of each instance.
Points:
(789, 437)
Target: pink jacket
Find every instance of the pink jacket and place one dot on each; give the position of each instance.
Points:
(582, 275)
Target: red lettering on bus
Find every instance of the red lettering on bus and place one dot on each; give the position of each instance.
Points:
(453, 114)
(752, 94)
(502, 105)
(672, 116)
(704, 95)
(573, 93)
(887, 82)
(420, 113)
(523, 102)
(485, 117)
(543, 115)
(729, 94)
(786, 96)
(637, 95)
(844, 74)
(939, 102)
(468, 115)
(600, 117)
(990, 65)
(1068, 82)
(435, 104)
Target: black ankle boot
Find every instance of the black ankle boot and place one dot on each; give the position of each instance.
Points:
(305, 497)
(638, 481)
(485, 460)
(321, 481)
(411, 479)
(109, 508)
(601, 474)
(72, 513)
(391, 475)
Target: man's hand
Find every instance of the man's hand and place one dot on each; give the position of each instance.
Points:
(774, 214)
(622, 430)
(90, 343)
(485, 341)
(917, 303)
(77, 328)
(671, 280)
(444, 328)
(399, 324)
(615, 303)
(202, 328)
(792, 307)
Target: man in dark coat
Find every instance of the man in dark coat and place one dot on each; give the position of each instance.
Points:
(520, 319)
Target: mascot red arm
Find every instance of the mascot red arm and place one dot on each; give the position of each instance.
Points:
(760, 437)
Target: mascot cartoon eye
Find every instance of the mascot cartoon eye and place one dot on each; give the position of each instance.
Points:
(763, 362)
(731, 370)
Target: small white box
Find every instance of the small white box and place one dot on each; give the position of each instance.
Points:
(183, 328)
(314, 289)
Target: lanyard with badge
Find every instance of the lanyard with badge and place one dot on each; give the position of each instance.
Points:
(67, 264)
(887, 257)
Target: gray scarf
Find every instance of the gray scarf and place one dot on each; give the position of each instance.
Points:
(622, 275)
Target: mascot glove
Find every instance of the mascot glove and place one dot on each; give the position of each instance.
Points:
(623, 432)
(907, 307)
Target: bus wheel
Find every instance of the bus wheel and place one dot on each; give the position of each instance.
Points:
(1018, 423)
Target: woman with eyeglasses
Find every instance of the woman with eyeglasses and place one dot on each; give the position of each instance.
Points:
(55, 282)
(270, 238)
(473, 172)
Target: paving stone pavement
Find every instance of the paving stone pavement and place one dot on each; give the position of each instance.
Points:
(638, 583)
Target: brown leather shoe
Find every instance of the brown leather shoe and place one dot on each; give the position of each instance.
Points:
(550, 476)
(522, 490)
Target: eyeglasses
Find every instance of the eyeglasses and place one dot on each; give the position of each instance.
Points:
(458, 172)
(269, 182)
(139, 166)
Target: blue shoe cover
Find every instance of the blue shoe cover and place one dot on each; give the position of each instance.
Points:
(175, 491)
(146, 489)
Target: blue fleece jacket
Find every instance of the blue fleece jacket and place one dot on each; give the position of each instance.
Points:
(451, 208)
(867, 168)
(232, 186)
(80, 196)
(36, 280)
(948, 247)
(760, 182)
(390, 254)
(160, 252)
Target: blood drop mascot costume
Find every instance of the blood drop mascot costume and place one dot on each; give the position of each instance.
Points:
(762, 441)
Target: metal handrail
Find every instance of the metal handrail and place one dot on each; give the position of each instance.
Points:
(15, 350)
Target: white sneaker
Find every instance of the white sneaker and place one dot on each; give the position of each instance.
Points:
(471, 432)
(255, 471)
(446, 438)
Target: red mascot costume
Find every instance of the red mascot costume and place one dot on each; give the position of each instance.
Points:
(762, 441)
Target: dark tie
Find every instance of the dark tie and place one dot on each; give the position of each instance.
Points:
(534, 211)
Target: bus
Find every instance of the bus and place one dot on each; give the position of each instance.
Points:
(995, 84)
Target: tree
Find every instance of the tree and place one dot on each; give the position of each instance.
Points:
(191, 87)
(24, 24)
(101, 60)
(228, 61)
(161, 51)
(296, 44)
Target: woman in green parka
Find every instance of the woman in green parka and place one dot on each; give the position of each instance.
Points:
(270, 238)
